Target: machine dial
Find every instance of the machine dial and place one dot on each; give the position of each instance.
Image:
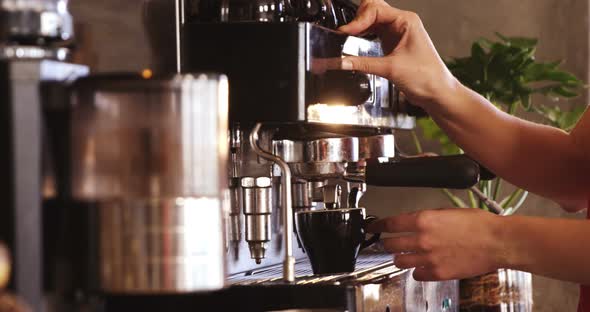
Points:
(343, 88)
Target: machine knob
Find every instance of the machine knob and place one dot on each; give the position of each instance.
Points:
(343, 88)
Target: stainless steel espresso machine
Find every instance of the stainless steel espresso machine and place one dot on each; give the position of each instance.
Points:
(302, 136)
(176, 188)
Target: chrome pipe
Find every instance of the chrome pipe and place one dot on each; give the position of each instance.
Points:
(179, 16)
(493, 205)
(289, 260)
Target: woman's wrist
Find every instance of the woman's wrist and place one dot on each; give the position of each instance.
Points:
(510, 252)
(445, 93)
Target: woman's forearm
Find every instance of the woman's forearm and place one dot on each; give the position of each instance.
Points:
(539, 158)
(556, 248)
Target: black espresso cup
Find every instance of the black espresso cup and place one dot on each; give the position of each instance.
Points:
(333, 238)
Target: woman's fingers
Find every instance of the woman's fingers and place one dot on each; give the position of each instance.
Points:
(426, 274)
(411, 62)
(373, 13)
(407, 243)
(391, 24)
(319, 65)
(365, 19)
(426, 266)
(371, 65)
(403, 223)
(413, 260)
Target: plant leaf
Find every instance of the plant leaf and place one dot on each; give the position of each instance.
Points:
(506, 73)
(521, 42)
(525, 101)
(565, 120)
(431, 131)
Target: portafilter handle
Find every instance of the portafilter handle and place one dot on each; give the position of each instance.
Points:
(454, 172)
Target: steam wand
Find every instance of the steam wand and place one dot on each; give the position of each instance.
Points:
(289, 261)
(493, 205)
(179, 21)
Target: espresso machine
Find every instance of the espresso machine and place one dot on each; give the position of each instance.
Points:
(303, 136)
(176, 188)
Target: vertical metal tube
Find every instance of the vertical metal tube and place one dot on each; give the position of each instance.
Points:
(178, 4)
(289, 260)
(25, 132)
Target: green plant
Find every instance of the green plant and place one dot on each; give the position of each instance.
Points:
(506, 73)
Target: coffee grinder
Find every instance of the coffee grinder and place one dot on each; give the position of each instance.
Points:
(113, 183)
(35, 37)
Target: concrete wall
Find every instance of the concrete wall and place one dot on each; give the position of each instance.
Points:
(110, 34)
(112, 39)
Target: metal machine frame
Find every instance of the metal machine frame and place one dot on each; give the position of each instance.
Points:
(22, 84)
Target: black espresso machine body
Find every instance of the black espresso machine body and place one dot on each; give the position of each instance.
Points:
(285, 73)
(280, 76)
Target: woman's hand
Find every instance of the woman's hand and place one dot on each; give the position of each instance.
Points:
(411, 61)
(444, 244)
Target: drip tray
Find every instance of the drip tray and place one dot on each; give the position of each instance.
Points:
(376, 286)
(369, 266)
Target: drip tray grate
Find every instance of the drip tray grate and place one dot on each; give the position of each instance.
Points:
(369, 266)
